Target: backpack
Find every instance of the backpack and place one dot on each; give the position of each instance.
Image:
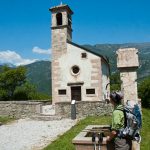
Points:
(133, 121)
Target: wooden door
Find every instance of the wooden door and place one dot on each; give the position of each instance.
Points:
(76, 93)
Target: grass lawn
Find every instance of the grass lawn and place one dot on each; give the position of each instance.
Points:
(145, 133)
(64, 142)
(5, 120)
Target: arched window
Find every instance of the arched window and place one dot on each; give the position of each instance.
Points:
(59, 19)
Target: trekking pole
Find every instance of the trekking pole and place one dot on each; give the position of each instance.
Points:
(99, 147)
(100, 140)
(94, 139)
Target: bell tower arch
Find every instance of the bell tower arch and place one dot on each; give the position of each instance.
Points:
(61, 24)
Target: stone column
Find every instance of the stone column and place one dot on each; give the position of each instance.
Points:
(128, 63)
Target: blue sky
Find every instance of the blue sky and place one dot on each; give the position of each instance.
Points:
(25, 25)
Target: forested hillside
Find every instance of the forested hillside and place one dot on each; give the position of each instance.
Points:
(109, 50)
(39, 73)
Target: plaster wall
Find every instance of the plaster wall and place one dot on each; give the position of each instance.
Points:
(105, 81)
(89, 74)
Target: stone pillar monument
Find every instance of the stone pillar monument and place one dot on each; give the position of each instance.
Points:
(128, 63)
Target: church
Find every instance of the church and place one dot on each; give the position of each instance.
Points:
(77, 72)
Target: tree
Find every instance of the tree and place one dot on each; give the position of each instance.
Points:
(14, 86)
(115, 82)
(28, 91)
(144, 92)
(25, 92)
(10, 79)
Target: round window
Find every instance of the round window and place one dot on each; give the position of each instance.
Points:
(75, 70)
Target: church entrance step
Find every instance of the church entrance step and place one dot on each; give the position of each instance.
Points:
(46, 117)
(48, 110)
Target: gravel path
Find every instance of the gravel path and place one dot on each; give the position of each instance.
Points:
(26, 134)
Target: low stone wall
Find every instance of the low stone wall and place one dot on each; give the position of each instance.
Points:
(83, 108)
(20, 109)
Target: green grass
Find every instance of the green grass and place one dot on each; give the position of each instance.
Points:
(145, 133)
(64, 142)
(5, 120)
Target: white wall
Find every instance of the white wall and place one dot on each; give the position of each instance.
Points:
(105, 81)
(71, 58)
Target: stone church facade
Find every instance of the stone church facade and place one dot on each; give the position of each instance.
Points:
(77, 73)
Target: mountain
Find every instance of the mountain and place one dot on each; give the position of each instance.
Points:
(39, 73)
(8, 64)
(109, 50)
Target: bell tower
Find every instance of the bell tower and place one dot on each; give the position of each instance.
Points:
(61, 28)
(61, 32)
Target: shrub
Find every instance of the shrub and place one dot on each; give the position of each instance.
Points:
(144, 92)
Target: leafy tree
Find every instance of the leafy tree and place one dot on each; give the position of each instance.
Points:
(10, 79)
(24, 92)
(14, 86)
(28, 91)
(144, 92)
(115, 82)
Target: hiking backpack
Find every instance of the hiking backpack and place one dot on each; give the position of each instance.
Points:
(133, 121)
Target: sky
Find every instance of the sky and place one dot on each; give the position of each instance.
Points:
(25, 33)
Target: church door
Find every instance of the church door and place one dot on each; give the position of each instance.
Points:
(76, 93)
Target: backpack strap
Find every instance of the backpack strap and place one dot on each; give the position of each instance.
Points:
(125, 118)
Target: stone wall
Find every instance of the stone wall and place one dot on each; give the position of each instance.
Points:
(83, 108)
(20, 109)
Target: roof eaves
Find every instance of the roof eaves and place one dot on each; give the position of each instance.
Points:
(88, 50)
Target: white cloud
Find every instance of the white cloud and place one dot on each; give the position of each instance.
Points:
(12, 57)
(41, 51)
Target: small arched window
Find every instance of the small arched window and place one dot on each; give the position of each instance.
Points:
(59, 19)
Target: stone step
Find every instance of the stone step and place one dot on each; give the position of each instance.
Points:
(48, 110)
(42, 117)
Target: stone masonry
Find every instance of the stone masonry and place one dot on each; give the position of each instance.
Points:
(77, 72)
(95, 76)
(127, 63)
(60, 35)
(20, 109)
(83, 109)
